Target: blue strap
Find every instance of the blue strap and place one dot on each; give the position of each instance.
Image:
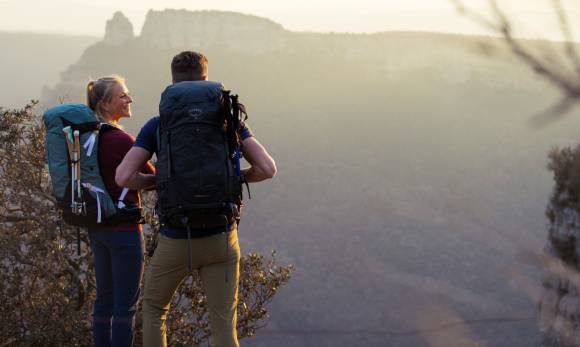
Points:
(238, 157)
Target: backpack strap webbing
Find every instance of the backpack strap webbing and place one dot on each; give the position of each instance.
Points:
(83, 127)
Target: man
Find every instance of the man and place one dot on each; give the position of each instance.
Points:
(170, 263)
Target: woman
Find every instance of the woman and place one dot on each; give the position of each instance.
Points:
(118, 250)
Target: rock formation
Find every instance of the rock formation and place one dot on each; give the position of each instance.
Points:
(202, 29)
(118, 30)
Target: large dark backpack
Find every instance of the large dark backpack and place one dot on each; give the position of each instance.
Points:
(84, 201)
(198, 172)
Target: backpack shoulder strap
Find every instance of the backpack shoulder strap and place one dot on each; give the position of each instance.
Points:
(105, 127)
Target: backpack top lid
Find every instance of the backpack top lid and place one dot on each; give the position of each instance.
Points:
(183, 94)
(72, 113)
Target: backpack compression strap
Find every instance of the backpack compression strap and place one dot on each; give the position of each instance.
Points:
(90, 143)
(121, 204)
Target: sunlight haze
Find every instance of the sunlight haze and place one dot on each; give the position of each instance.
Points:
(83, 17)
(426, 190)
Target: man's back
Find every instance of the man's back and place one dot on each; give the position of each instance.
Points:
(215, 255)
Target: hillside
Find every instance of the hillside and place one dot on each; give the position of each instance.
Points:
(411, 189)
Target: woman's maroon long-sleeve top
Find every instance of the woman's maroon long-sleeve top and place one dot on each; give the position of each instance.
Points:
(113, 145)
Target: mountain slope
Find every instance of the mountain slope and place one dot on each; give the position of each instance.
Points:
(30, 61)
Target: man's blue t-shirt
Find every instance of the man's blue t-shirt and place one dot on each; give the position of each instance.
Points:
(147, 139)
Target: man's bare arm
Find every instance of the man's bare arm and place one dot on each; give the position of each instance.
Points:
(262, 166)
(129, 174)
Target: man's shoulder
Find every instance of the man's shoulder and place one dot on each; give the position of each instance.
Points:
(147, 137)
(151, 125)
(152, 122)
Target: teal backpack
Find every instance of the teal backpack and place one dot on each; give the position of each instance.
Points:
(72, 142)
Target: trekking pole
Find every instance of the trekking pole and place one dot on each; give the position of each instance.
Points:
(79, 205)
(77, 150)
(70, 146)
(74, 161)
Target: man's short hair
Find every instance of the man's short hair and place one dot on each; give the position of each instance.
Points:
(189, 66)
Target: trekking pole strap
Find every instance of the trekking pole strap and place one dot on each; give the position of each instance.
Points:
(97, 191)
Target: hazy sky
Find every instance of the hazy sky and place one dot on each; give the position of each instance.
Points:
(89, 16)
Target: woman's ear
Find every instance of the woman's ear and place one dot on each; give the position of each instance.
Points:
(104, 107)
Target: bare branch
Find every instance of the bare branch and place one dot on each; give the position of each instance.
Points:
(558, 79)
(570, 48)
(476, 17)
(13, 219)
(555, 73)
(8, 342)
(553, 113)
(81, 288)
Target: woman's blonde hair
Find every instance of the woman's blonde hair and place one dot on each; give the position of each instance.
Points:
(100, 91)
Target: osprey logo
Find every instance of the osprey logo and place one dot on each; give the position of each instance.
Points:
(195, 112)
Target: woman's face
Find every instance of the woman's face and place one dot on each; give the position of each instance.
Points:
(120, 104)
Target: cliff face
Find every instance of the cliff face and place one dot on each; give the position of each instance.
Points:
(202, 29)
(118, 30)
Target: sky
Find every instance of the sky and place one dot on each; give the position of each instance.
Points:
(88, 17)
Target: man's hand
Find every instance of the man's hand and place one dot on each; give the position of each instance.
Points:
(262, 165)
(129, 174)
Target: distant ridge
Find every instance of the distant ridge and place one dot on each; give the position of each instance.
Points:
(11, 33)
(249, 38)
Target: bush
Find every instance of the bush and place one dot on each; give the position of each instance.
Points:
(47, 289)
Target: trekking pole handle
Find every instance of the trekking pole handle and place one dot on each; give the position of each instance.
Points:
(69, 140)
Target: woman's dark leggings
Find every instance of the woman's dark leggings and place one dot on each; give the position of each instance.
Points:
(118, 257)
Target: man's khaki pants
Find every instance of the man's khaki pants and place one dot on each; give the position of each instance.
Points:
(168, 268)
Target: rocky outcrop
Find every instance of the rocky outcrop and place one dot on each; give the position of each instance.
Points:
(560, 301)
(202, 29)
(119, 30)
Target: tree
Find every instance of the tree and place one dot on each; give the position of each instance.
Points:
(46, 289)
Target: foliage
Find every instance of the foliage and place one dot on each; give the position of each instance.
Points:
(558, 306)
(565, 165)
(46, 290)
